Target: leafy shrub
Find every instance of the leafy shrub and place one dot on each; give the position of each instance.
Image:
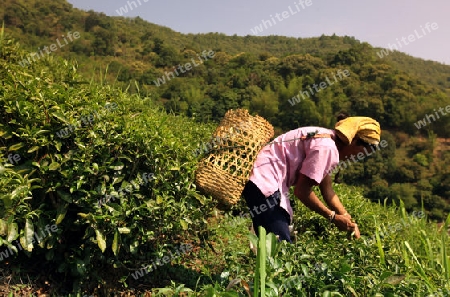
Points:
(399, 254)
(61, 180)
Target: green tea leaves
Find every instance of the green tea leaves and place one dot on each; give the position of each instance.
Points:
(28, 236)
(54, 166)
(101, 240)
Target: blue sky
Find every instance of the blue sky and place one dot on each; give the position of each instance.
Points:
(379, 22)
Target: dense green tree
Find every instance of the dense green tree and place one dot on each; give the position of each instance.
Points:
(264, 102)
(404, 192)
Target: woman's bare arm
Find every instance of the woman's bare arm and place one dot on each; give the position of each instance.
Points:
(303, 190)
(330, 196)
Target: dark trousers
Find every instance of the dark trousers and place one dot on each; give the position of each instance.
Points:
(267, 212)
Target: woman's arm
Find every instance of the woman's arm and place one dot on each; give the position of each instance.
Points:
(303, 190)
(330, 197)
(342, 219)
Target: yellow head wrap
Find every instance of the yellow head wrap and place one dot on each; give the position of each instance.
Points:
(367, 129)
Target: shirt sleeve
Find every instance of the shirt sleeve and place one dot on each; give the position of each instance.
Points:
(318, 162)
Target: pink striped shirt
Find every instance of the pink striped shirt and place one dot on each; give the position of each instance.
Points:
(279, 163)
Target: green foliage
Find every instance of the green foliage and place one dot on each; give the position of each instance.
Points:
(389, 89)
(61, 180)
(405, 193)
(399, 254)
(421, 160)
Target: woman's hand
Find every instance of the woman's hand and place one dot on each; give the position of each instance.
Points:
(344, 223)
(346, 214)
(357, 234)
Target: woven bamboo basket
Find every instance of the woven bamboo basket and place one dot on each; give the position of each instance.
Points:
(223, 172)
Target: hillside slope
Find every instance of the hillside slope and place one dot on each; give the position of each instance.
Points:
(129, 37)
(290, 81)
(117, 186)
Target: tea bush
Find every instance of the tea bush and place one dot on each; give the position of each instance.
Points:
(409, 256)
(61, 180)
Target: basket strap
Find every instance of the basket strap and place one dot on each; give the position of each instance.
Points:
(316, 136)
(309, 136)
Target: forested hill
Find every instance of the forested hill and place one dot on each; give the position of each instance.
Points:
(37, 22)
(290, 81)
